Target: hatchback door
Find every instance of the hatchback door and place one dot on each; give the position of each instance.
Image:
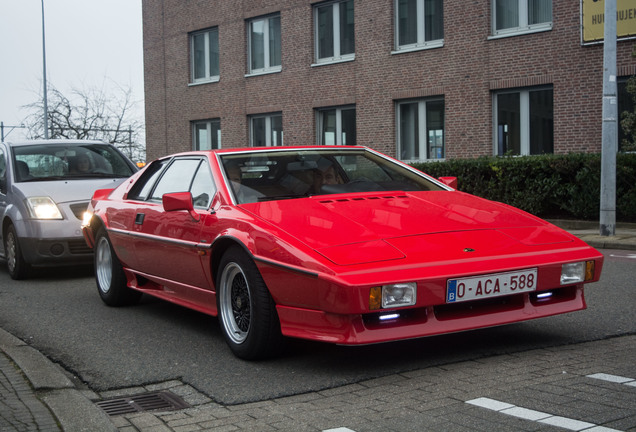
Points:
(167, 241)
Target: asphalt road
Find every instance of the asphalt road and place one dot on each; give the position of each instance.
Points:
(58, 311)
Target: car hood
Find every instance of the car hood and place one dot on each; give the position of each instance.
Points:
(363, 228)
(62, 191)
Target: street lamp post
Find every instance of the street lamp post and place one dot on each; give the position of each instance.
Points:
(607, 217)
(46, 109)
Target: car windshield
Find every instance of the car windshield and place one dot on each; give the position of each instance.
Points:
(60, 162)
(287, 174)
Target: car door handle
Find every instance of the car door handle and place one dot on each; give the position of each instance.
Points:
(139, 219)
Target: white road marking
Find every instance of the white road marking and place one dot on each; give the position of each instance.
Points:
(340, 429)
(538, 416)
(614, 379)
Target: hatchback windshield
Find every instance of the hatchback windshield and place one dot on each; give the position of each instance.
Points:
(58, 162)
(277, 174)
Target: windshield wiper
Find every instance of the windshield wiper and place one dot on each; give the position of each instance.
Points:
(281, 197)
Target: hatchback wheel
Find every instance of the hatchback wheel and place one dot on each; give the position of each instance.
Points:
(247, 311)
(17, 266)
(109, 274)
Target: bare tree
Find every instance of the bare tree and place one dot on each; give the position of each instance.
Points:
(90, 114)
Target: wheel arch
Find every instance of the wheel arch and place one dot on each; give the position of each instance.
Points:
(220, 246)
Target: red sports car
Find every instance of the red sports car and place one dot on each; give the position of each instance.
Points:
(335, 244)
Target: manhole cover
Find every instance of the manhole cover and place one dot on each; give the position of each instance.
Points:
(162, 400)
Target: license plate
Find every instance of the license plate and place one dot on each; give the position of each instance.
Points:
(492, 285)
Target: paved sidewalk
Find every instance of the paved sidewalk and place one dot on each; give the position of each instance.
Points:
(555, 389)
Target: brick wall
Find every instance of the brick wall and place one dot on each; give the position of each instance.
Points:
(464, 71)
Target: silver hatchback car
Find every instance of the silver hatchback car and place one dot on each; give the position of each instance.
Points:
(45, 187)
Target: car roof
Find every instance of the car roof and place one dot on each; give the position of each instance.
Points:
(53, 142)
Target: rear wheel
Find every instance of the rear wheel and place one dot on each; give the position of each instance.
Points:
(17, 266)
(247, 312)
(109, 274)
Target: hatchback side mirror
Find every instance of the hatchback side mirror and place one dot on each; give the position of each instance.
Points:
(449, 181)
(179, 201)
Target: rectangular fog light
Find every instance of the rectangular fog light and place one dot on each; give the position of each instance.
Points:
(399, 295)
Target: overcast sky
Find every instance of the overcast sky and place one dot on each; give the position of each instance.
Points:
(89, 43)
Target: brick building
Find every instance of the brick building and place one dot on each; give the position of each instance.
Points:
(416, 79)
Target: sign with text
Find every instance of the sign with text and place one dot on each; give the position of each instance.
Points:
(593, 16)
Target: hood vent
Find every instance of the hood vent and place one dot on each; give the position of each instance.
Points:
(363, 198)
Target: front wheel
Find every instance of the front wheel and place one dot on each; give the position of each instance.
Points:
(247, 312)
(17, 266)
(109, 274)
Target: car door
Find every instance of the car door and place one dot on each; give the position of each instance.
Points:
(3, 192)
(166, 245)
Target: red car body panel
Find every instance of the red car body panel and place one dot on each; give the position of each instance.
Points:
(319, 256)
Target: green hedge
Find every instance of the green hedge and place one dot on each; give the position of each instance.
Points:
(549, 186)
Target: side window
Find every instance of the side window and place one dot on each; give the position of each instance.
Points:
(141, 189)
(203, 187)
(176, 178)
(3, 172)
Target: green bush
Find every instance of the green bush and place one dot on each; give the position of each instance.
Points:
(549, 186)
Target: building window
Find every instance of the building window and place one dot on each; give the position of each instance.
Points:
(421, 129)
(204, 56)
(521, 16)
(206, 135)
(334, 32)
(419, 24)
(266, 130)
(524, 122)
(264, 45)
(337, 126)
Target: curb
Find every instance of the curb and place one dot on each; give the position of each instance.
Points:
(72, 410)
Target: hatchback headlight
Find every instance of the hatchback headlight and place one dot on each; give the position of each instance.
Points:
(43, 208)
(392, 296)
(577, 272)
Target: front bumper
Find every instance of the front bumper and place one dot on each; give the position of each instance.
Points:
(426, 321)
(73, 250)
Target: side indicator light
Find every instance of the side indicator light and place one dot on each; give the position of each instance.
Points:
(375, 298)
(589, 270)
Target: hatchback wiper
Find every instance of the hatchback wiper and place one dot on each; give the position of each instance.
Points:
(281, 197)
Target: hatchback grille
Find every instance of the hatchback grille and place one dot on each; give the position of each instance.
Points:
(78, 247)
(79, 209)
(162, 400)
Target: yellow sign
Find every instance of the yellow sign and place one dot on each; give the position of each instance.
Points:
(594, 17)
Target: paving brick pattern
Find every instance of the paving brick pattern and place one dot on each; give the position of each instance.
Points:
(550, 380)
(20, 409)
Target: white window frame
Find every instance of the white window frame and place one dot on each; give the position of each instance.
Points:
(268, 129)
(523, 28)
(337, 57)
(320, 118)
(421, 43)
(422, 138)
(208, 73)
(267, 67)
(209, 128)
(524, 118)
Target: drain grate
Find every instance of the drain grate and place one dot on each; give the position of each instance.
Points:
(162, 400)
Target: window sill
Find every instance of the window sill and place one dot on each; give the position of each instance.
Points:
(201, 82)
(334, 60)
(419, 47)
(263, 72)
(521, 31)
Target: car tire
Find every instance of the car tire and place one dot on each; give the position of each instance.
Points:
(18, 268)
(109, 274)
(247, 312)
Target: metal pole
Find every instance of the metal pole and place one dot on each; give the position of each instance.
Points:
(46, 109)
(607, 215)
